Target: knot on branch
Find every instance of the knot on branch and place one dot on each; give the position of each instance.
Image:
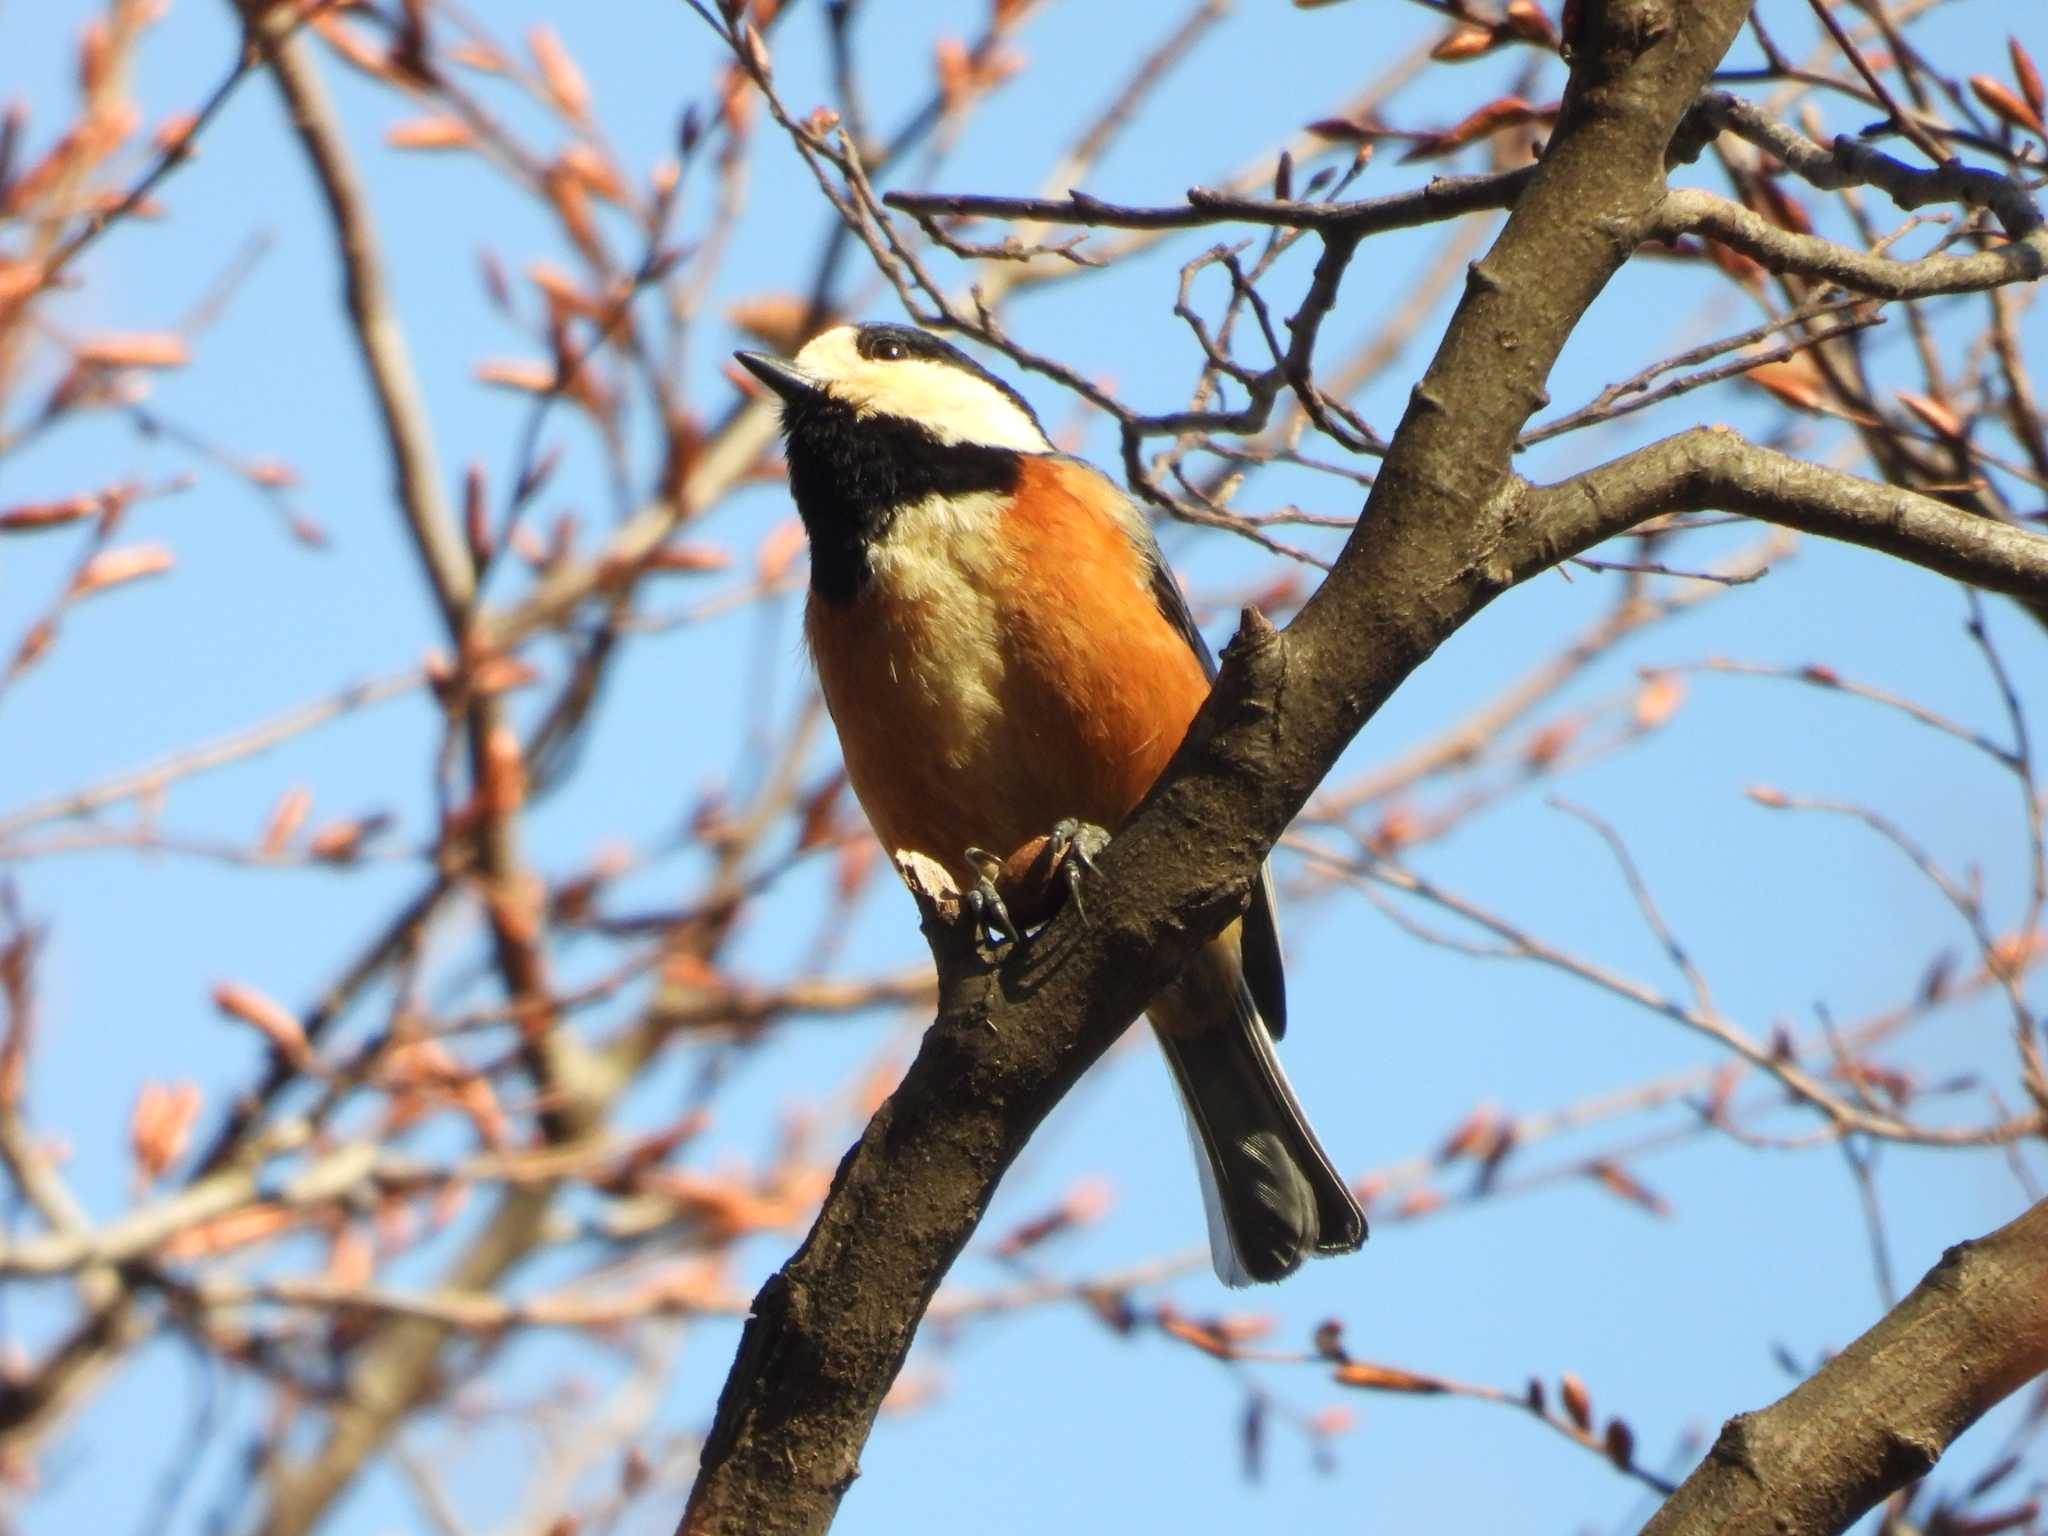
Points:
(1249, 679)
(1906, 1458)
(1733, 1447)
(1255, 638)
(1612, 36)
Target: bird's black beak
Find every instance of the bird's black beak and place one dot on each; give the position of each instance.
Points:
(786, 379)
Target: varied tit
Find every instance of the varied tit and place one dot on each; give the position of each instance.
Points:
(1003, 650)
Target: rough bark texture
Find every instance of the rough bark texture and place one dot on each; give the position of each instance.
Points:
(1435, 545)
(1880, 1413)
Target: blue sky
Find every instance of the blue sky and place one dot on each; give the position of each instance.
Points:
(1043, 1420)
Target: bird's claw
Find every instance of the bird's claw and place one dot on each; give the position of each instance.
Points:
(1025, 881)
(1073, 848)
(1012, 896)
(993, 925)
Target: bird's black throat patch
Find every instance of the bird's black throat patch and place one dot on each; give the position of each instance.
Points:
(850, 474)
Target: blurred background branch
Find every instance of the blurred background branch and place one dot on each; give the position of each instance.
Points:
(424, 1025)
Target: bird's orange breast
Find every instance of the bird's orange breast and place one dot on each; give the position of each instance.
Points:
(1005, 666)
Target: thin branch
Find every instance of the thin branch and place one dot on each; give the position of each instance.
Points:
(1714, 468)
(1444, 198)
(232, 748)
(1688, 211)
(418, 487)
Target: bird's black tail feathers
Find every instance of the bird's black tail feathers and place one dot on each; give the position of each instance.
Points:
(1271, 1194)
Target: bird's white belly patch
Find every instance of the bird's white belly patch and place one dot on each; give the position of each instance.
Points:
(939, 572)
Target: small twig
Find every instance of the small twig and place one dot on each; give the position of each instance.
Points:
(1650, 568)
(1614, 401)
(1905, 121)
(222, 750)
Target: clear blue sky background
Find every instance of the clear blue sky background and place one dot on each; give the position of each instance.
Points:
(1045, 1422)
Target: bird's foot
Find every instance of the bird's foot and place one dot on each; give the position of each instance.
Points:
(1022, 892)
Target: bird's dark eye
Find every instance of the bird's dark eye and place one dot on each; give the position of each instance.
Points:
(889, 351)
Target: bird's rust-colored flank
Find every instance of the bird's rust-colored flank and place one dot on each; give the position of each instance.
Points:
(1097, 687)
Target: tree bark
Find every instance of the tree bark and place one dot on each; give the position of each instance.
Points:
(1879, 1414)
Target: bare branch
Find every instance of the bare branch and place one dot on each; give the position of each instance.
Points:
(1714, 468)
(1879, 1414)
(418, 487)
(1444, 198)
(1688, 211)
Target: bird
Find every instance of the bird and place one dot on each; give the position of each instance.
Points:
(1004, 651)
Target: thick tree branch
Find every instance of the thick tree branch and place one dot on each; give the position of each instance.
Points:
(830, 1331)
(1715, 469)
(1880, 1413)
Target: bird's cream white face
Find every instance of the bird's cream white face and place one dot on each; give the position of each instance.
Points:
(952, 404)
